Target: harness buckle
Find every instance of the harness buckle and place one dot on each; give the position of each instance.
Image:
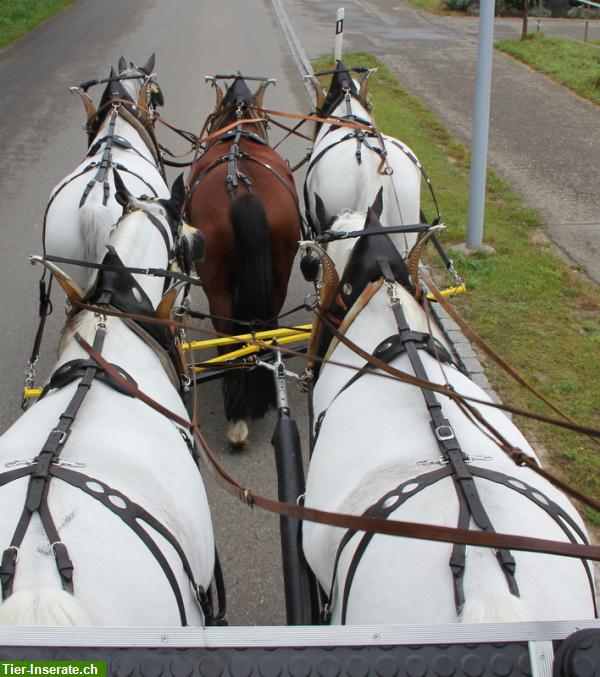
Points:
(10, 557)
(326, 614)
(393, 296)
(444, 432)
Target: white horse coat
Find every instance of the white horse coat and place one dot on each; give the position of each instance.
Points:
(376, 435)
(342, 182)
(122, 442)
(72, 231)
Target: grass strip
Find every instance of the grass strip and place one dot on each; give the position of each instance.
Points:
(533, 307)
(18, 17)
(575, 65)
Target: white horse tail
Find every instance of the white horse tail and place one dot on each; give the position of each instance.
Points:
(488, 607)
(95, 224)
(46, 606)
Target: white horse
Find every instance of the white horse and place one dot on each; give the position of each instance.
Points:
(120, 136)
(107, 522)
(375, 443)
(348, 167)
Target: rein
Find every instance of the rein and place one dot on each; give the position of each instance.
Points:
(360, 523)
(153, 272)
(390, 372)
(475, 338)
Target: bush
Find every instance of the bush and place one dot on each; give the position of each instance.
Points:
(580, 13)
(457, 5)
(515, 7)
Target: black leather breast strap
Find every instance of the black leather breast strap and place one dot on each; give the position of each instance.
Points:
(37, 491)
(46, 466)
(447, 441)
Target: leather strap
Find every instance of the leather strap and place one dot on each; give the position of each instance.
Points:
(37, 490)
(368, 524)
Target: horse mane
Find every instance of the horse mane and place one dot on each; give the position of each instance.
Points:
(84, 324)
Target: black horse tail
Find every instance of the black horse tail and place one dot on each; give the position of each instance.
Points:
(250, 394)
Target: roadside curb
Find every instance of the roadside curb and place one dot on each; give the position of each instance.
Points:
(461, 347)
(463, 351)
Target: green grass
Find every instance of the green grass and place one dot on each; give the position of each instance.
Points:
(531, 306)
(433, 6)
(575, 65)
(17, 17)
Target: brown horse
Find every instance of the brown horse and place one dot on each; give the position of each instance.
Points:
(243, 198)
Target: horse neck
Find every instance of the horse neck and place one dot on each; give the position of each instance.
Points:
(342, 110)
(125, 129)
(140, 244)
(380, 317)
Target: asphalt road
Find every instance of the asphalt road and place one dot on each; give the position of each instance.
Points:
(42, 140)
(544, 140)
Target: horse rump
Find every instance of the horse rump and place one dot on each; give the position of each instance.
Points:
(250, 394)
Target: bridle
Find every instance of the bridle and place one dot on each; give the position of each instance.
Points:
(115, 288)
(362, 137)
(235, 176)
(115, 107)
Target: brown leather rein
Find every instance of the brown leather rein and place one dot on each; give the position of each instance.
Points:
(197, 141)
(347, 521)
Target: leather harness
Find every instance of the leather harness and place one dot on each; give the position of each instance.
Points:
(362, 138)
(106, 162)
(456, 464)
(114, 288)
(234, 174)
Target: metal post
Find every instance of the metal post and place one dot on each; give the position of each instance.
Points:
(299, 584)
(539, 18)
(481, 120)
(339, 35)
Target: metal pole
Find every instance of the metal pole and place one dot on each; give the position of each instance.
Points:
(339, 35)
(481, 120)
(539, 18)
(299, 584)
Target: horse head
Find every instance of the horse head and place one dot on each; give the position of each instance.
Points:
(349, 265)
(188, 242)
(342, 85)
(236, 102)
(132, 86)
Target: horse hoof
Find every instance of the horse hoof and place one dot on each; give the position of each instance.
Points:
(237, 434)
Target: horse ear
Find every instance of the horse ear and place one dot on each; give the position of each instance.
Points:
(148, 67)
(321, 212)
(122, 195)
(178, 194)
(259, 96)
(122, 64)
(363, 90)
(260, 92)
(219, 94)
(377, 205)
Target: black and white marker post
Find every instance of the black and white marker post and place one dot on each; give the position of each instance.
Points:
(339, 35)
